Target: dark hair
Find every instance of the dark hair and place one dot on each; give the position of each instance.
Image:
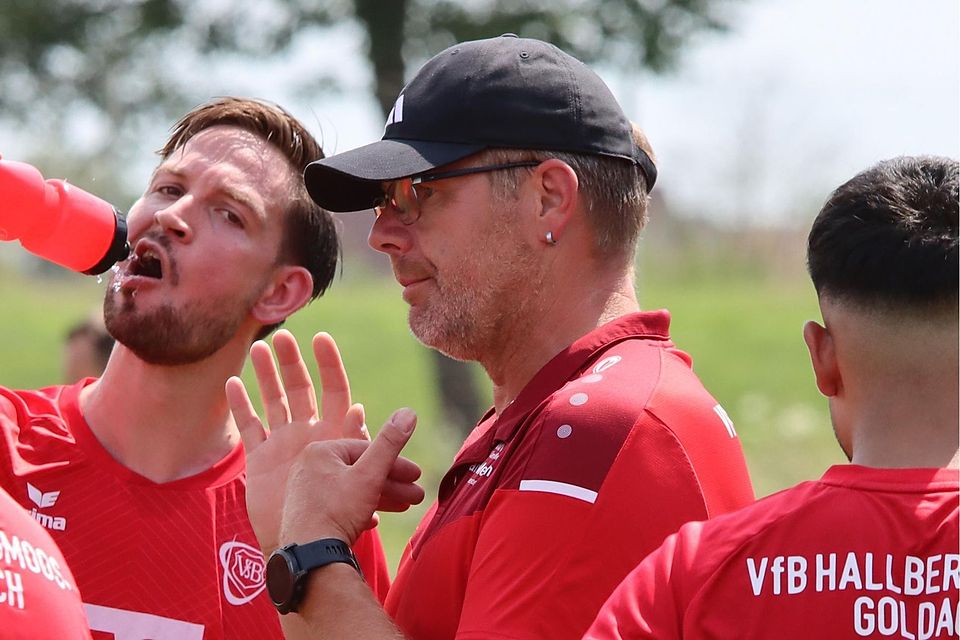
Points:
(310, 235)
(888, 237)
(101, 341)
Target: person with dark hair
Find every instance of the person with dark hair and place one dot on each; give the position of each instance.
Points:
(86, 349)
(871, 549)
(509, 192)
(139, 475)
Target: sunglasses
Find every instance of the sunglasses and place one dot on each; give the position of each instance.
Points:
(401, 195)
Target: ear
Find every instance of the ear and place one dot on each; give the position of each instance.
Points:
(558, 191)
(823, 356)
(289, 290)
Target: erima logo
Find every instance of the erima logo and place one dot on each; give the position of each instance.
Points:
(41, 499)
(396, 114)
(44, 500)
(244, 572)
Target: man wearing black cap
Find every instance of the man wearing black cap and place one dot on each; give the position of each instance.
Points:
(509, 194)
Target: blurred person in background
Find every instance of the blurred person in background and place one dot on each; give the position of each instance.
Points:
(871, 549)
(139, 475)
(86, 349)
(509, 195)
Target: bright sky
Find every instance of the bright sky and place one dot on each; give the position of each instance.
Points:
(800, 96)
(761, 122)
(757, 124)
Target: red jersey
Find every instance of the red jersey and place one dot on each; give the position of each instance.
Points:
(170, 561)
(608, 449)
(38, 595)
(863, 552)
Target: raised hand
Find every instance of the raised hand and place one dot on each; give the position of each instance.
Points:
(290, 403)
(334, 486)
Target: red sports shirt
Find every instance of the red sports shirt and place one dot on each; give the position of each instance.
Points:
(38, 595)
(610, 447)
(862, 552)
(171, 561)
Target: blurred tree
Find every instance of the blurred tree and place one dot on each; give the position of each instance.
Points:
(117, 64)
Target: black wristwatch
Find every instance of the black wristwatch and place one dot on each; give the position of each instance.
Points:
(288, 567)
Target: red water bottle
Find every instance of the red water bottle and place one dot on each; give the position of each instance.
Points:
(58, 221)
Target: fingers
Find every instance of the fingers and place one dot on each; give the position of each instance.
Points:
(271, 389)
(404, 470)
(380, 457)
(301, 395)
(399, 496)
(333, 378)
(354, 423)
(248, 422)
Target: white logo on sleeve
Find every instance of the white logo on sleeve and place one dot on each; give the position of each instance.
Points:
(606, 363)
(41, 499)
(396, 114)
(244, 572)
(725, 419)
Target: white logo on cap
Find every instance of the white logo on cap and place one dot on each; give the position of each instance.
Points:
(396, 114)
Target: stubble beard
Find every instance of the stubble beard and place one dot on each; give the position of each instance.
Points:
(480, 301)
(169, 336)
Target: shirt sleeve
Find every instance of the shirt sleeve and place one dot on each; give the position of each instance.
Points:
(545, 561)
(645, 605)
(373, 562)
(9, 435)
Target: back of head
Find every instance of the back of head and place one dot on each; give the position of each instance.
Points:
(886, 240)
(310, 236)
(517, 97)
(86, 349)
(883, 257)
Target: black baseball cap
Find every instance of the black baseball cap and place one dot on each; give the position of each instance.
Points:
(505, 92)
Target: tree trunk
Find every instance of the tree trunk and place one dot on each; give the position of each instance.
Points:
(384, 22)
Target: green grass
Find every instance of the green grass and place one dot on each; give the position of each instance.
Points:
(744, 335)
(742, 330)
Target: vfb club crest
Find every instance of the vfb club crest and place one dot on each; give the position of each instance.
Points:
(243, 572)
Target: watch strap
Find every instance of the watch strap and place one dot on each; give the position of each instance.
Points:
(289, 567)
(320, 553)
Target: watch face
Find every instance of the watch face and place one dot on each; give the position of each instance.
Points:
(280, 578)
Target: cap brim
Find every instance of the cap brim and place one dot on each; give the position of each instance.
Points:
(350, 181)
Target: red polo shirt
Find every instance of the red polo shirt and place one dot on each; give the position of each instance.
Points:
(167, 561)
(861, 553)
(611, 447)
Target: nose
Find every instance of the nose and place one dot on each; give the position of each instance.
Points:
(389, 235)
(172, 219)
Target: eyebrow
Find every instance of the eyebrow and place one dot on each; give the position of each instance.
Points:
(239, 197)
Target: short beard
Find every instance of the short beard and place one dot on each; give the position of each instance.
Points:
(471, 314)
(167, 337)
(452, 328)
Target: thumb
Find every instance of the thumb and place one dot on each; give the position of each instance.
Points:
(379, 457)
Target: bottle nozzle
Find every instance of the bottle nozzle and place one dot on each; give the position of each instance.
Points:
(60, 222)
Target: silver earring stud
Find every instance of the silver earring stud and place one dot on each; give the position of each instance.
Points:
(550, 239)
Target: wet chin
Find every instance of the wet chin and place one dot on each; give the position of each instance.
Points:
(166, 337)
